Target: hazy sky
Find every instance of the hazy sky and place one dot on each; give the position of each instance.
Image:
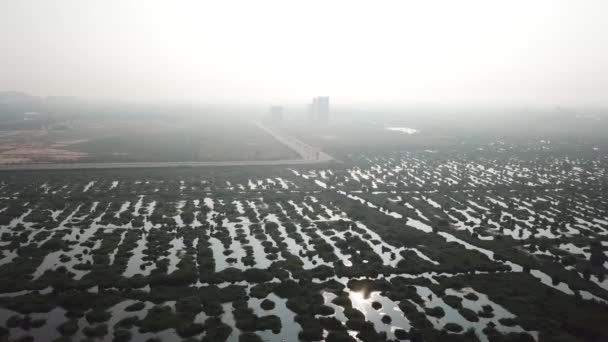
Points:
(483, 52)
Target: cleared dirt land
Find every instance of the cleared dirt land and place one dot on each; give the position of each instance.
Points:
(160, 140)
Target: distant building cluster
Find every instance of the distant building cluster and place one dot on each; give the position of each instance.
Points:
(318, 111)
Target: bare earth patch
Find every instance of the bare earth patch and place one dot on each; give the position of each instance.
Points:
(36, 154)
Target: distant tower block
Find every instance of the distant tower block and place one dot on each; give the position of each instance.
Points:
(276, 114)
(323, 110)
(318, 111)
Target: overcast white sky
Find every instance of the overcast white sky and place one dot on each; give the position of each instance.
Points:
(484, 52)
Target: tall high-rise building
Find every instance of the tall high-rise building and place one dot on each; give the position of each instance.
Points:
(276, 114)
(318, 111)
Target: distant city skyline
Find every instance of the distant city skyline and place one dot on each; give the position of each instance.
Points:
(399, 53)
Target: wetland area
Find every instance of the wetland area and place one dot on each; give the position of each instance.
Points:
(418, 246)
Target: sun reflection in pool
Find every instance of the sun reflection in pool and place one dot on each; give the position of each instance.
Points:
(358, 299)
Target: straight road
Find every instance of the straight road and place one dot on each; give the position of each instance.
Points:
(305, 151)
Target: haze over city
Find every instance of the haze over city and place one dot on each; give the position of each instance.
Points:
(393, 53)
